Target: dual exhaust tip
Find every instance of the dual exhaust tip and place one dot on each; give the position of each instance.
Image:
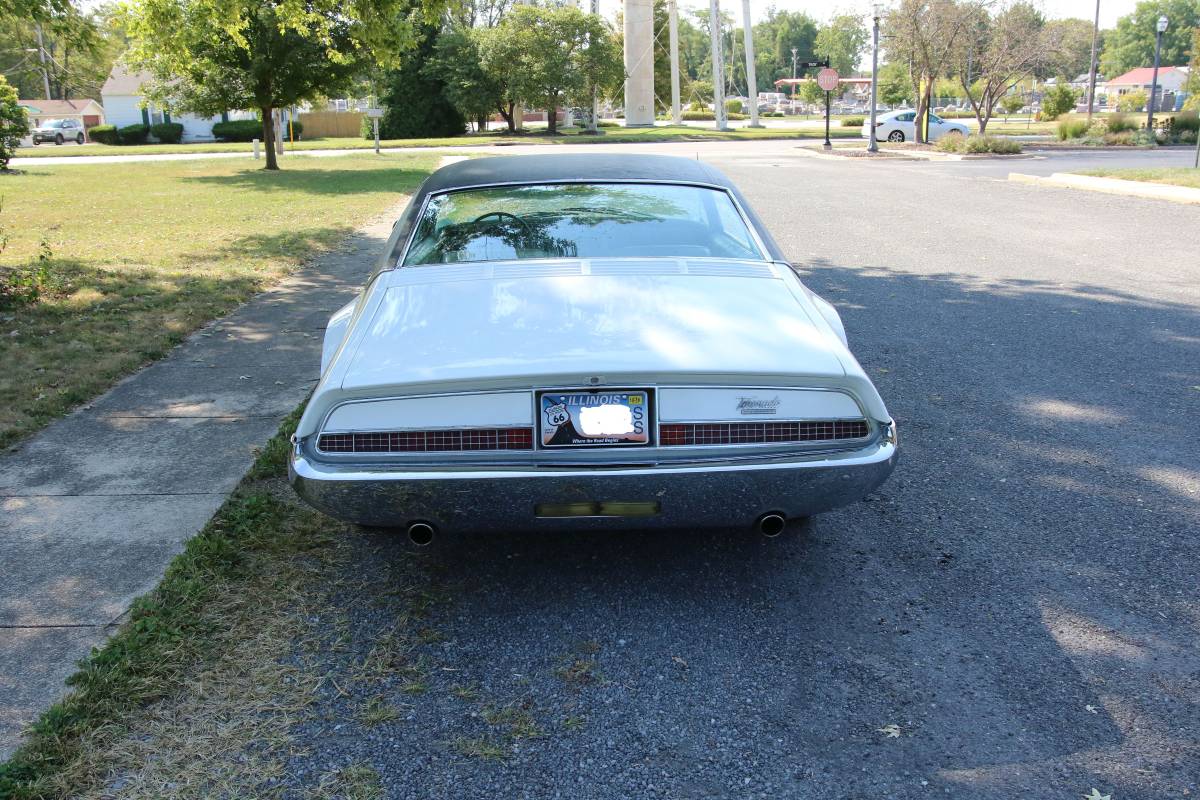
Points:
(770, 525)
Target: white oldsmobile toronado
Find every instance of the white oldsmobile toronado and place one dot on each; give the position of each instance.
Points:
(592, 341)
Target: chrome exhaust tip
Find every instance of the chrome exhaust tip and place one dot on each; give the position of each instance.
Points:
(771, 524)
(420, 533)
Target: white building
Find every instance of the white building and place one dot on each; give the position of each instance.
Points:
(124, 105)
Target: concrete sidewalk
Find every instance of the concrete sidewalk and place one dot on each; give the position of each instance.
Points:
(1095, 183)
(93, 508)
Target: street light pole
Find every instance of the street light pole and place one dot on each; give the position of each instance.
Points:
(1092, 66)
(1159, 30)
(718, 65)
(872, 145)
(42, 56)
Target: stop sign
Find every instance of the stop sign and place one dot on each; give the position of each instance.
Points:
(827, 79)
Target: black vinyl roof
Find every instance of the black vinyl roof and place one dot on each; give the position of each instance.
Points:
(572, 168)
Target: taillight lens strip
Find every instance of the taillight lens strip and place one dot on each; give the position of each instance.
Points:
(437, 441)
(731, 433)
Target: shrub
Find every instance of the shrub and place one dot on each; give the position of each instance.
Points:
(733, 106)
(238, 130)
(133, 134)
(1124, 138)
(1184, 121)
(1119, 123)
(27, 284)
(104, 134)
(1133, 101)
(698, 116)
(1187, 137)
(975, 143)
(1071, 128)
(167, 132)
(853, 122)
(14, 122)
(1058, 101)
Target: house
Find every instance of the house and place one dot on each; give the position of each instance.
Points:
(125, 105)
(88, 112)
(1171, 81)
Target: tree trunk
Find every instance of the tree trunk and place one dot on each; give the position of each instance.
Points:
(507, 113)
(268, 125)
(552, 115)
(923, 101)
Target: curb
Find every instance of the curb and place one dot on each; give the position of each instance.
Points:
(1091, 183)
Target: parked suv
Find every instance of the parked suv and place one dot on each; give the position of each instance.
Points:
(58, 131)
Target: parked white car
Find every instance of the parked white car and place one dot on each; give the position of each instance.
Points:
(900, 126)
(586, 341)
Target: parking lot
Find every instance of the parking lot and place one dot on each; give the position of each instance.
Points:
(1014, 615)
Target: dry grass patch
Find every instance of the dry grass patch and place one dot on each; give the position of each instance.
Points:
(358, 781)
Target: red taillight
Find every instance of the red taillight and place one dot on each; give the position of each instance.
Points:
(718, 433)
(441, 441)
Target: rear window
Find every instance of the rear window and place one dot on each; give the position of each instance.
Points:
(594, 220)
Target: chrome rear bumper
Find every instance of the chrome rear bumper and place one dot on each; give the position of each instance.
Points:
(712, 494)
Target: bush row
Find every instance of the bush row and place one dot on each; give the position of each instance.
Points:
(852, 122)
(978, 144)
(243, 130)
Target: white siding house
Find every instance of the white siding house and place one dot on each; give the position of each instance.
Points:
(124, 105)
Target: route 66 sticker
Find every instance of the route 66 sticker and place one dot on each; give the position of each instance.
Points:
(557, 415)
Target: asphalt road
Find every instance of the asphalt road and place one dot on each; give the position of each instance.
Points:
(1020, 601)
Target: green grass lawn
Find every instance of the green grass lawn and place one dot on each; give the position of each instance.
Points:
(662, 133)
(1177, 176)
(136, 256)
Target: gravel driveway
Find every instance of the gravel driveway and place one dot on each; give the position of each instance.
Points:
(1015, 614)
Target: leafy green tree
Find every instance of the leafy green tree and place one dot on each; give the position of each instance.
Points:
(842, 42)
(415, 100)
(1131, 44)
(810, 92)
(895, 87)
(774, 39)
(457, 63)
(1072, 39)
(1058, 100)
(1012, 103)
(211, 56)
(14, 123)
(558, 55)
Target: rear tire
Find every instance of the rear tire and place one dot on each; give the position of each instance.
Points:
(58, 139)
(79, 139)
(896, 136)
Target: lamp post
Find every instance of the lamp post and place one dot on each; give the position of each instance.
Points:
(1159, 30)
(872, 145)
(1091, 95)
(41, 48)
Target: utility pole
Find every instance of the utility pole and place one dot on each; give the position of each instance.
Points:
(872, 145)
(714, 33)
(751, 78)
(673, 23)
(42, 56)
(1092, 71)
(1159, 30)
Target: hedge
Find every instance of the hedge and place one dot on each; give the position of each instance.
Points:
(167, 132)
(243, 130)
(133, 134)
(104, 134)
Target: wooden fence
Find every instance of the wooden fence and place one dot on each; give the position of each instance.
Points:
(325, 124)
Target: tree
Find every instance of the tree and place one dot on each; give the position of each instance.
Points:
(211, 56)
(1012, 103)
(895, 85)
(558, 55)
(415, 101)
(842, 42)
(1133, 101)
(774, 39)
(1004, 48)
(1057, 101)
(810, 92)
(927, 35)
(458, 64)
(1073, 48)
(14, 124)
(1131, 44)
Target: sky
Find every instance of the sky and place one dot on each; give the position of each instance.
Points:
(824, 9)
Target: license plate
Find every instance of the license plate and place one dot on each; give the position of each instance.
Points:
(594, 419)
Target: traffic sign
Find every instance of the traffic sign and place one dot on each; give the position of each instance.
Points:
(827, 79)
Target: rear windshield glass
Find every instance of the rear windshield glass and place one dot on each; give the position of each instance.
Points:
(580, 221)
